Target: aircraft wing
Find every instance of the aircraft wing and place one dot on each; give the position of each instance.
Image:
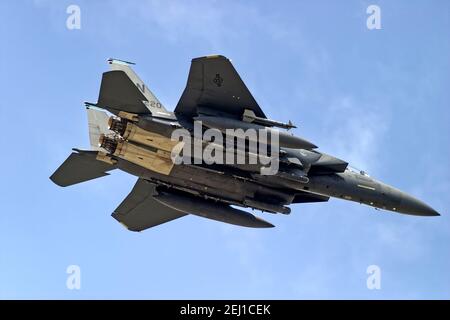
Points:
(213, 84)
(140, 211)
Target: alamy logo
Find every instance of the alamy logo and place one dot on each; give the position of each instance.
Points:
(232, 147)
(374, 20)
(73, 281)
(73, 21)
(374, 278)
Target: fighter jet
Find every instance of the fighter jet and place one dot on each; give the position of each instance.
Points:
(131, 130)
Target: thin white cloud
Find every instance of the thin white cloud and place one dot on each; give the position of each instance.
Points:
(354, 129)
(214, 24)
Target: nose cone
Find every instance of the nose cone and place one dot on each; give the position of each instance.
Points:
(413, 206)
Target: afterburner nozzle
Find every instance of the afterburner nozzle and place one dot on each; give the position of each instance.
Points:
(107, 143)
(117, 125)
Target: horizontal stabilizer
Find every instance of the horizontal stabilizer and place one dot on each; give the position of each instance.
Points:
(141, 211)
(79, 167)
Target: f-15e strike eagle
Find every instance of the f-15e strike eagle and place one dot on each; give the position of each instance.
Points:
(130, 130)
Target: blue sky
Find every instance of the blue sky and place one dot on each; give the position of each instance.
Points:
(376, 98)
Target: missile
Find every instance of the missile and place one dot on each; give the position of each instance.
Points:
(249, 116)
(285, 139)
(211, 210)
(273, 208)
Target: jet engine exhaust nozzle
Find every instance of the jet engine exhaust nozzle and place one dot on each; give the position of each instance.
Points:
(107, 143)
(117, 125)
